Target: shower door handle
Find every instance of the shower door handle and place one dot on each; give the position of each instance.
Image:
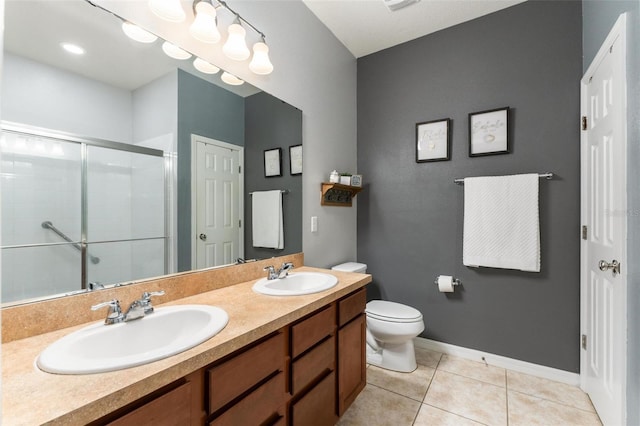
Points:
(203, 237)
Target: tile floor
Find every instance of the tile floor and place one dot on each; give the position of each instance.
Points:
(446, 390)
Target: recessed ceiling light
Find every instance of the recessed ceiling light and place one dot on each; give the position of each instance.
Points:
(72, 48)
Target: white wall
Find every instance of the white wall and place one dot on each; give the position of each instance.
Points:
(44, 96)
(313, 72)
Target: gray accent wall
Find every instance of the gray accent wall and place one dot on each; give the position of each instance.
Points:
(272, 123)
(598, 18)
(410, 215)
(207, 110)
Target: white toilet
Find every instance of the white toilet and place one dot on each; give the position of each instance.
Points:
(391, 328)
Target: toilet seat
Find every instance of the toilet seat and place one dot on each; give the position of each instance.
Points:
(392, 312)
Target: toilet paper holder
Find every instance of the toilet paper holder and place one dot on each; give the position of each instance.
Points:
(454, 280)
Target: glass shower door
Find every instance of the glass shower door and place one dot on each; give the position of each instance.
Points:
(40, 198)
(125, 215)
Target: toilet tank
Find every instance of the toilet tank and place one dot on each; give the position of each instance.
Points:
(351, 267)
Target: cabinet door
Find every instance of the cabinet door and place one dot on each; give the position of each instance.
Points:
(351, 362)
(318, 406)
(170, 409)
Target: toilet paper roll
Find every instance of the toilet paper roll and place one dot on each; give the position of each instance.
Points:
(445, 284)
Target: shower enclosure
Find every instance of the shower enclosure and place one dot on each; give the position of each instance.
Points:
(78, 213)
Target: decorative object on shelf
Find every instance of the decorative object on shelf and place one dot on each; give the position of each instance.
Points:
(433, 141)
(334, 177)
(489, 132)
(273, 162)
(345, 178)
(337, 194)
(295, 160)
(356, 180)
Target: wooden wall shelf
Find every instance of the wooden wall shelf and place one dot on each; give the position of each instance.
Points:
(337, 194)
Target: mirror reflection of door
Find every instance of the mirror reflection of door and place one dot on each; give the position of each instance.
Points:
(217, 202)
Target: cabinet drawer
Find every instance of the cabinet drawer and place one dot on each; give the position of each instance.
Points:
(310, 331)
(265, 405)
(318, 406)
(235, 376)
(351, 306)
(313, 364)
(172, 408)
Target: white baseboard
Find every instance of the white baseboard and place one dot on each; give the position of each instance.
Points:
(555, 374)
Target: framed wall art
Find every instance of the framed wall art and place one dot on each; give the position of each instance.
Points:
(295, 160)
(433, 141)
(273, 162)
(489, 132)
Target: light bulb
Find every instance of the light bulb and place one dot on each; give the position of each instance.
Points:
(236, 47)
(260, 63)
(204, 28)
(136, 33)
(169, 10)
(72, 48)
(174, 51)
(204, 66)
(231, 79)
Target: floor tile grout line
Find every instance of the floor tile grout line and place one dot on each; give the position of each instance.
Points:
(456, 414)
(506, 393)
(555, 401)
(394, 392)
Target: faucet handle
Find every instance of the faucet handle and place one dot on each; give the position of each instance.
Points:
(145, 300)
(272, 274)
(115, 312)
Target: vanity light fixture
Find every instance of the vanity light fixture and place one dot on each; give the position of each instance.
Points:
(174, 51)
(72, 48)
(231, 79)
(236, 46)
(136, 33)
(204, 66)
(260, 63)
(169, 10)
(205, 27)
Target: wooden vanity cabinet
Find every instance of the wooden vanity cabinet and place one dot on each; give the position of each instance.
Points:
(307, 373)
(250, 387)
(351, 348)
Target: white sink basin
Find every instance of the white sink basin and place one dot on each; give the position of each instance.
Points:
(99, 348)
(297, 283)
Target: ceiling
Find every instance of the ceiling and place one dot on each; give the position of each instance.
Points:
(368, 26)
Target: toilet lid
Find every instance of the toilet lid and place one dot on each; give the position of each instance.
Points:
(391, 311)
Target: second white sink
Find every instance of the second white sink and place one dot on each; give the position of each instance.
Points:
(100, 348)
(296, 284)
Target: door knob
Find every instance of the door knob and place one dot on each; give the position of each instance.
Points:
(203, 237)
(614, 266)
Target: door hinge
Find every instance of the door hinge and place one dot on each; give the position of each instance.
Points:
(584, 122)
(240, 169)
(584, 341)
(239, 223)
(584, 232)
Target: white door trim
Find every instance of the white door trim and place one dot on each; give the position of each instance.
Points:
(617, 33)
(194, 153)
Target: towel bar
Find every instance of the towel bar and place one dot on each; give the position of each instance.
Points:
(547, 176)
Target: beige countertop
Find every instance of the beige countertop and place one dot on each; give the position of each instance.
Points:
(32, 397)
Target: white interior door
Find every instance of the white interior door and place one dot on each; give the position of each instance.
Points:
(604, 240)
(217, 205)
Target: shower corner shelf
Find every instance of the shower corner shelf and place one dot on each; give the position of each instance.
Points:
(336, 194)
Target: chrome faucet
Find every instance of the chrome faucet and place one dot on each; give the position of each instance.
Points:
(138, 308)
(280, 273)
(284, 270)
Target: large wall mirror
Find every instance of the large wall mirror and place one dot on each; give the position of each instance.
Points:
(122, 163)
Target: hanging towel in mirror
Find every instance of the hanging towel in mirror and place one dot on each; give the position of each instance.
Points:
(501, 222)
(266, 212)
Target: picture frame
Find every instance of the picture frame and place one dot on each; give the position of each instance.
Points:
(295, 160)
(489, 132)
(356, 180)
(273, 162)
(433, 140)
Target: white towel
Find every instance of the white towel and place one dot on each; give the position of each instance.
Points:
(501, 222)
(266, 212)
